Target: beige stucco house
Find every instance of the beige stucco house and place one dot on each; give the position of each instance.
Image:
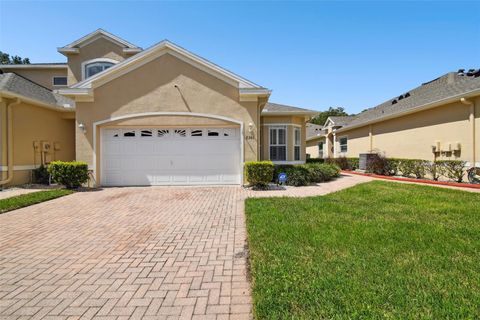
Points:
(438, 120)
(159, 116)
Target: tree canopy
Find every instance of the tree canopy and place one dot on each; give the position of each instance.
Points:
(5, 58)
(323, 116)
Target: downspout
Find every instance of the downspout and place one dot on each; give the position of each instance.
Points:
(370, 137)
(9, 142)
(472, 125)
(334, 144)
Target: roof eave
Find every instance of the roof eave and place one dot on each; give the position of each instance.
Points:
(162, 48)
(11, 95)
(315, 137)
(426, 106)
(132, 50)
(78, 94)
(67, 50)
(289, 113)
(33, 66)
(253, 94)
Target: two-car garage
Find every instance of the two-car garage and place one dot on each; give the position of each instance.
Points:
(170, 156)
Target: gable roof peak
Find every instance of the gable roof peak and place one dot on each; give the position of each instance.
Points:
(166, 46)
(99, 33)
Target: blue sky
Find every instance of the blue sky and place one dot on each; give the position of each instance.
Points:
(311, 54)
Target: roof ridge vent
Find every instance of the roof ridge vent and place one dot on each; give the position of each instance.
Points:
(473, 72)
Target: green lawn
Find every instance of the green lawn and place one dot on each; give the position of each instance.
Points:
(379, 250)
(28, 199)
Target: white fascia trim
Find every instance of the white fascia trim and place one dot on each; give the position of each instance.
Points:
(132, 50)
(253, 94)
(75, 92)
(149, 114)
(33, 66)
(95, 35)
(281, 124)
(156, 51)
(426, 106)
(291, 113)
(68, 50)
(254, 91)
(316, 137)
(327, 121)
(85, 63)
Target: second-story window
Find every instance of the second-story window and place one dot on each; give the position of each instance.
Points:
(96, 67)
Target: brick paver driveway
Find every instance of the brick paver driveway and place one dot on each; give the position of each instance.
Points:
(127, 253)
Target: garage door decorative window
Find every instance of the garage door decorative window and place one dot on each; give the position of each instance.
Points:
(180, 133)
(163, 133)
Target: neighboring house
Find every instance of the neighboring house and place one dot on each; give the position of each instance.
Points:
(159, 116)
(438, 120)
(315, 140)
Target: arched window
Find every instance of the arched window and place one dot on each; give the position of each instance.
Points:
(96, 67)
(92, 67)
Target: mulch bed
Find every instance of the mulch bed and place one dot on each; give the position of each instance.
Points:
(424, 181)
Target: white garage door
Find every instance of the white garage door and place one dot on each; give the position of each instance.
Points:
(178, 156)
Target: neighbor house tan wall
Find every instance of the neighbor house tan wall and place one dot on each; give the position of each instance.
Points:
(196, 92)
(100, 48)
(412, 136)
(312, 147)
(291, 122)
(43, 77)
(33, 123)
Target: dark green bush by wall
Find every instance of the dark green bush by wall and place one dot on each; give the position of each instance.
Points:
(71, 174)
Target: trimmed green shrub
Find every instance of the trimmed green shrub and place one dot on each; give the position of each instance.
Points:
(344, 163)
(420, 168)
(320, 172)
(315, 160)
(406, 167)
(298, 176)
(40, 175)
(433, 169)
(71, 174)
(452, 169)
(378, 164)
(353, 163)
(393, 166)
(259, 173)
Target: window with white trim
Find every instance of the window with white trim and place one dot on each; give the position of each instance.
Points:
(93, 68)
(320, 148)
(297, 143)
(278, 143)
(343, 144)
(59, 81)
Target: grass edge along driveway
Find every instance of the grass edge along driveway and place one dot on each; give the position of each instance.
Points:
(29, 199)
(379, 250)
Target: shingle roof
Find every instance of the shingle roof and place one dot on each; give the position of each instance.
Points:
(341, 120)
(35, 64)
(444, 87)
(275, 108)
(17, 85)
(52, 65)
(314, 130)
